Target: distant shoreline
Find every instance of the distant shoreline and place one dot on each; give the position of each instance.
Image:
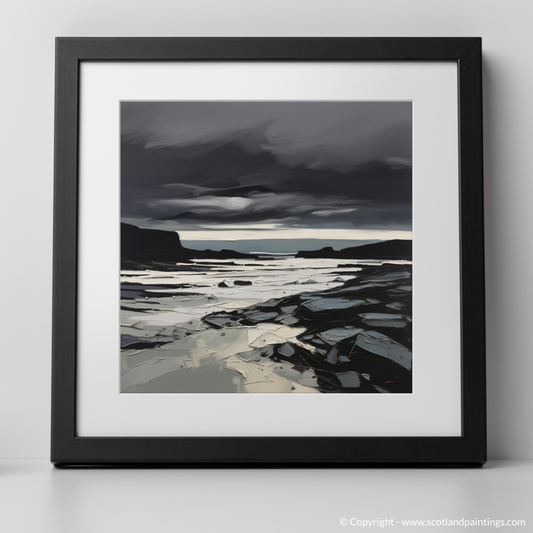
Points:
(142, 248)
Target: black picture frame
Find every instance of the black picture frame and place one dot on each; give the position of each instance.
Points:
(69, 449)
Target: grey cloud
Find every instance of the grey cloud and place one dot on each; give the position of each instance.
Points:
(304, 164)
(337, 135)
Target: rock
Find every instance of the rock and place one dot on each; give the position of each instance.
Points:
(397, 306)
(332, 336)
(391, 276)
(222, 320)
(385, 320)
(287, 319)
(349, 379)
(318, 304)
(401, 290)
(380, 344)
(289, 308)
(270, 303)
(286, 349)
(332, 355)
(261, 316)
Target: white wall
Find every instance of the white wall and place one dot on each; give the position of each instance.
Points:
(27, 31)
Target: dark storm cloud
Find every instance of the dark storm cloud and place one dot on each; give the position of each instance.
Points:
(337, 135)
(301, 164)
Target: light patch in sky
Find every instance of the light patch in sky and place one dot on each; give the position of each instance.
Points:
(236, 233)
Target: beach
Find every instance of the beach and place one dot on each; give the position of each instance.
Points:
(274, 323)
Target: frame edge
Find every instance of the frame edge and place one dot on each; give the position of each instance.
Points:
(67, 448)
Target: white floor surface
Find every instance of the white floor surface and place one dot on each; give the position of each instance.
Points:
(35, 497)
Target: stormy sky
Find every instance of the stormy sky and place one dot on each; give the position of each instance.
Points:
(268, 170)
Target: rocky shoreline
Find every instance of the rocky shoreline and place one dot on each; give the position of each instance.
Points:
(360, 334)
(355, 337)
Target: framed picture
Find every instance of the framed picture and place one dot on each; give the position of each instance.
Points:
(268, 251)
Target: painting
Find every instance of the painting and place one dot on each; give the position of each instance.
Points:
(233, 259)
(266, 247)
